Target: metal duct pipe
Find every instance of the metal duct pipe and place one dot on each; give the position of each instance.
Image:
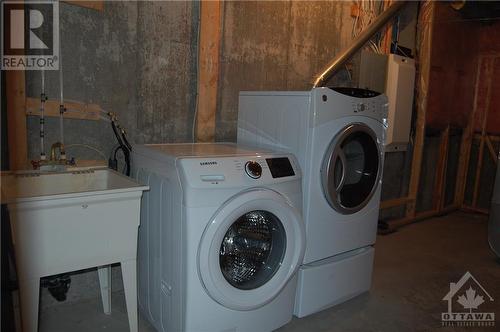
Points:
(359, 42)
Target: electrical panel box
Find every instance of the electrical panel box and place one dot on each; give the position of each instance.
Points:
(373, 71)
(399, 89)
(393, 75)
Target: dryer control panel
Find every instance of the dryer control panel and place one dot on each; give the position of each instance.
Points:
(239, 171)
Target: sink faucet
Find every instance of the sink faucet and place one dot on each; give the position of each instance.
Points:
(54, 164)
(62, 153)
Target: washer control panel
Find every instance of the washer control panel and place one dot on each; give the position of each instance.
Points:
(246, 170)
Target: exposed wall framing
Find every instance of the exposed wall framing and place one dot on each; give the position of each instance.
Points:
(425, 22)
(482, 139)
(481, 126)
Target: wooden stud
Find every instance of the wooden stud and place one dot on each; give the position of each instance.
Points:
(15, 93)
(394, 202)
(492, 138)
(208, 65)
(16, 120)
(491, 149)
(96, 5)
(426, 23)
(74, 109)
(440, 174)
(395, 224)
(467, 208)
(479, 164)
(466, 144)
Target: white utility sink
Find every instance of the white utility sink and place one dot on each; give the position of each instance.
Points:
(69, 221)
(35, 186)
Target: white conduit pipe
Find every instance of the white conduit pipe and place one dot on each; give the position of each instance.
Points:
(61, 100)
(43, 98)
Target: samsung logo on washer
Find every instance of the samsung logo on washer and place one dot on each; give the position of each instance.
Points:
(207, 163)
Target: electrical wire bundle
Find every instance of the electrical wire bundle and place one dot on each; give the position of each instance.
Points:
(368, 10)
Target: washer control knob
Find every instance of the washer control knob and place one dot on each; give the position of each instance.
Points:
(253, 169)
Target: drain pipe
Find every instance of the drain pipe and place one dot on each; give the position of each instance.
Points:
(324, 76)
(43, 98)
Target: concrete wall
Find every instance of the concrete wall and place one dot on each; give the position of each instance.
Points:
(137, 59)
(276, 46)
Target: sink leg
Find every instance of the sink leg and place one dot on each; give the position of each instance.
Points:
(104, 273)
(129, 274)
(29, 293)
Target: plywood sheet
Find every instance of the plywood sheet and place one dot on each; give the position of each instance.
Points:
(453, 64)
(488, 103)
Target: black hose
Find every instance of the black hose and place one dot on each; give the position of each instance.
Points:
(126, 154)
(125, 140)
(117, 135)
(124, 147)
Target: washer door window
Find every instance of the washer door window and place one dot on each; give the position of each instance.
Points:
(351, 168)
(250, 250)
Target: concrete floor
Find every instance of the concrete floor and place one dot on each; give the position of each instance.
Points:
(413, 269)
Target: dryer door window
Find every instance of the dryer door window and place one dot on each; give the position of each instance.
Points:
(351, 169)
(250, 249)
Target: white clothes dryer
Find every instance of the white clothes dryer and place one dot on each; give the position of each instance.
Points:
(338, 136)
(221, 237)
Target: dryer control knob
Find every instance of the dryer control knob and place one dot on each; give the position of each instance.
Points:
(360, 107)
(253, 169)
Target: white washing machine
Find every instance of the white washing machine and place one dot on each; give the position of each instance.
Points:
(337, 135)
(221, 237)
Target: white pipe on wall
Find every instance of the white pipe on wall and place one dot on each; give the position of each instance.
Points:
(61, 103)
(43, 98)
